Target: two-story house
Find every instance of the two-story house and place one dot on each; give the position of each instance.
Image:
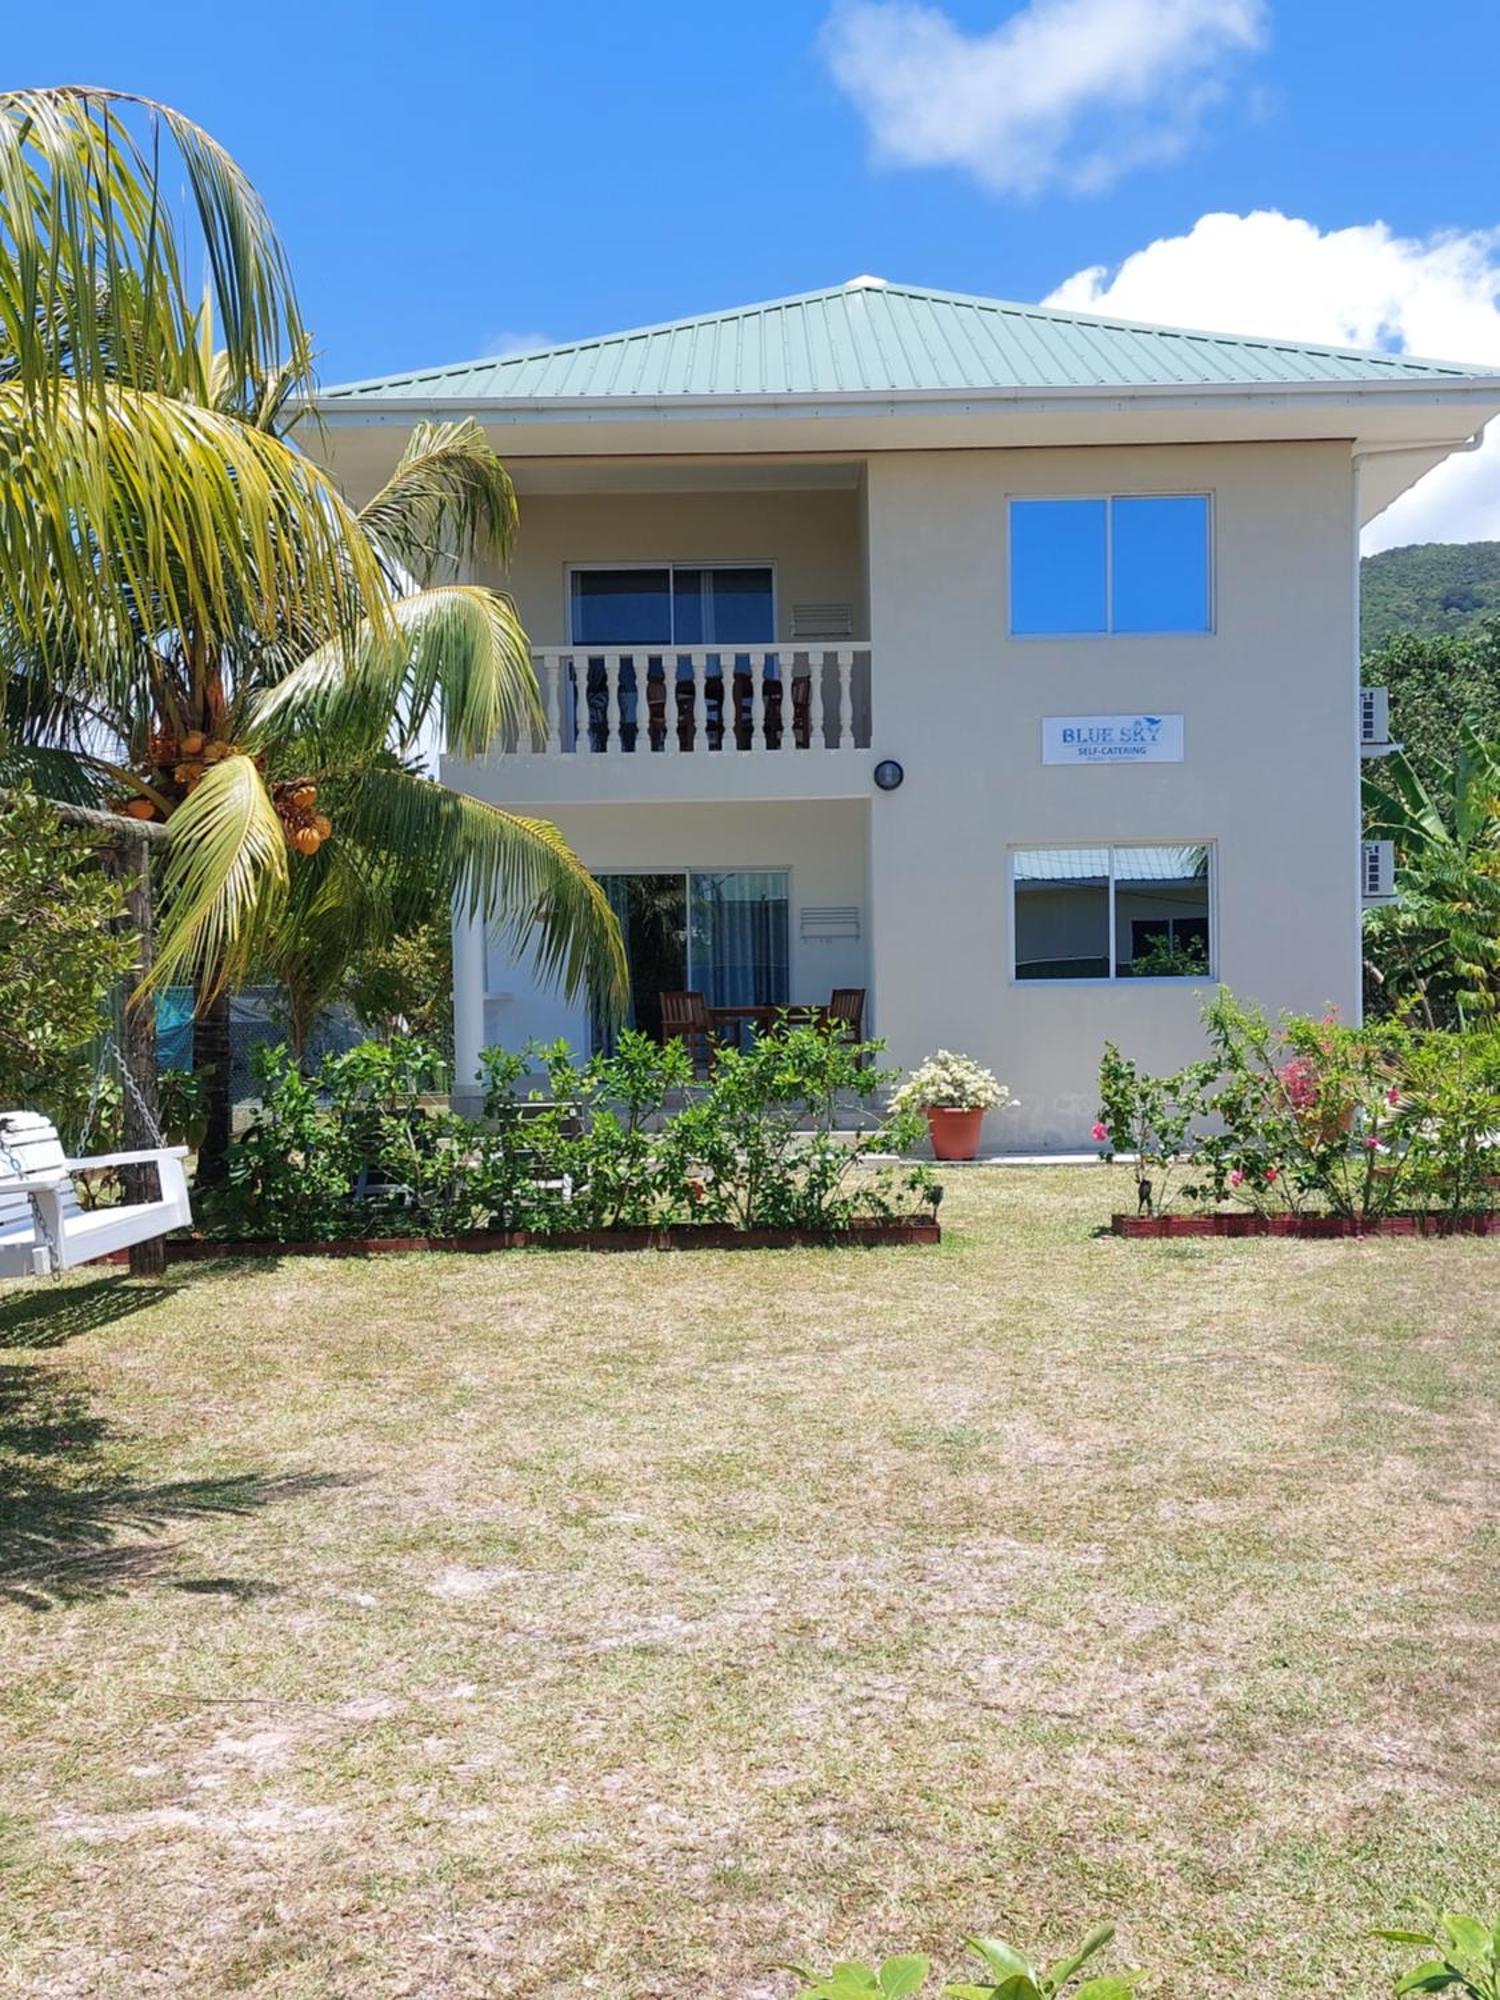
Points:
(997, 660)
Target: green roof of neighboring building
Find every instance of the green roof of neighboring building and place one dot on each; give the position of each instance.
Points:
(870, 337)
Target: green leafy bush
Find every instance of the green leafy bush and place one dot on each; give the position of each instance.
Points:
(767, 1144)
(606, 1135)
(290, 1174)
(1466, 1960)
(1308, 1115)
(1007, 1975)
(62, 955)
(624, 1140)
(1151, 1118)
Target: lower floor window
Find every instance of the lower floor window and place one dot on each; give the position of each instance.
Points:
(1112, 913)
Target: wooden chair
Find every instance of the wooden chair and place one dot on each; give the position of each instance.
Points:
(684, 1018)
(846, 1009)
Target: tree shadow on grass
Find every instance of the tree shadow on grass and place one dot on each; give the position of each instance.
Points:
(45, 1314)
(64, 1511)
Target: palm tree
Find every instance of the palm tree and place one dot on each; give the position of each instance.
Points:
(1438, 945)
(197, 627)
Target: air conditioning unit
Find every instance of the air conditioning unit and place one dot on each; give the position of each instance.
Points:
(1377, 871)
(1374, 718)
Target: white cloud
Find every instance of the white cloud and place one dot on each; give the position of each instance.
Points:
(499, 345)
(1268, 273)
(1070, 91)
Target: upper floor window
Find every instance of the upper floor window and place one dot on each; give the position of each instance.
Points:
(672, 606)
(1128, 563)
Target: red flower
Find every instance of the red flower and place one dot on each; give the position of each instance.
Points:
(1270, 1175)
(1101, 1130)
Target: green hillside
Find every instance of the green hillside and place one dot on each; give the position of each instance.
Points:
(1430, 587)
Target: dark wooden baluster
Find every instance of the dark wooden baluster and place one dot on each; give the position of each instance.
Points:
(771, 690)
(656, 706)
(802, 710)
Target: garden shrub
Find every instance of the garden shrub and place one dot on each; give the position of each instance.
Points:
(608, 1142)
(622, 1140)
(289, 1175)
(62, 956)
(1152, 1117)
(1310, 1115)
(762, 1146)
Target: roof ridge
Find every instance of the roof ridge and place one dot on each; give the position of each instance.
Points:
(683, 324)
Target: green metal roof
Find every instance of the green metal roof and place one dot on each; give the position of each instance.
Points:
(871, 337)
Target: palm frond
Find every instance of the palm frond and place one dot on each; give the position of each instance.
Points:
(456, 652)
(146, 514)
(93, 265)
(518, 873)
(448, 497)
(51, 774)
(227, 856)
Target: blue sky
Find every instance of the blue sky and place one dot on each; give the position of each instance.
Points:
(455, 179)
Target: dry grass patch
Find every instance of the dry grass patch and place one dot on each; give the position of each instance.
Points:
(547, 1624)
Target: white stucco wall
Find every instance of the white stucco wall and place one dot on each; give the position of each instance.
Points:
(1270, 776)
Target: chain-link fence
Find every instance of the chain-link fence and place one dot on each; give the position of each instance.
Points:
(257, 1020)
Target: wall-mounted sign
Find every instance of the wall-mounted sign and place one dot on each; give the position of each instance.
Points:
(1111, 739)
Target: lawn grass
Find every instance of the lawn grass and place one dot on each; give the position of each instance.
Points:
(546, 1624)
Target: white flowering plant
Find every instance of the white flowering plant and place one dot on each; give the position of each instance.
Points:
(951, 1082)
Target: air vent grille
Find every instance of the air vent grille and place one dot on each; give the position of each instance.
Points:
(829, 924)
(822, 621)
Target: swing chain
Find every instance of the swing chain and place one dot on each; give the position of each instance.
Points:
(109, 1051)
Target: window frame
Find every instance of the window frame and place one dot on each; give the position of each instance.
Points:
(1210, 975)
(671, 564)
(1207, 630)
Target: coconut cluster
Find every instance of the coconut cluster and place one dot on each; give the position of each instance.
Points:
(178, 765)
(297, 808)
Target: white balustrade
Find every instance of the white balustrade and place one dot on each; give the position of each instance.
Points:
(764, 701)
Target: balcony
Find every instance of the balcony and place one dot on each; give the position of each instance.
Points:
(791, 720)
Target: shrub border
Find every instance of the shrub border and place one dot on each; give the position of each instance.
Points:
(1307, 1226)
(867, 1232)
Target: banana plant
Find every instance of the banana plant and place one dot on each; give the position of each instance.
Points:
(851, 1979)
(1467, 1961)
(1008, 1975)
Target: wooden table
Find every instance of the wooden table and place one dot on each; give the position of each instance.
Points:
(762, 1014)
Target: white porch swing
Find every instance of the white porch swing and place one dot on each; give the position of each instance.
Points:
(43, 1227)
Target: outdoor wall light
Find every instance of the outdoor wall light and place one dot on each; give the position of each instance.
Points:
(888, 774)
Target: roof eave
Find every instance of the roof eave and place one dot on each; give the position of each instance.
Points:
(1478, 391)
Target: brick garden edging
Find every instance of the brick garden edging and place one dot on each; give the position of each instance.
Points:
(1312, 1226)
(872, 1233)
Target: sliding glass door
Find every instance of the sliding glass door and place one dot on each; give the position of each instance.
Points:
(724, 933)
(658, 610)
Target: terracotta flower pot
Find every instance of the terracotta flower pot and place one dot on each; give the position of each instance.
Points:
(955, 1133)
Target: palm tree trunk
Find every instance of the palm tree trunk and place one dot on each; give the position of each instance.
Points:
(211, 1062)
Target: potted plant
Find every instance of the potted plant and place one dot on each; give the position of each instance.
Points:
(954, 1092)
